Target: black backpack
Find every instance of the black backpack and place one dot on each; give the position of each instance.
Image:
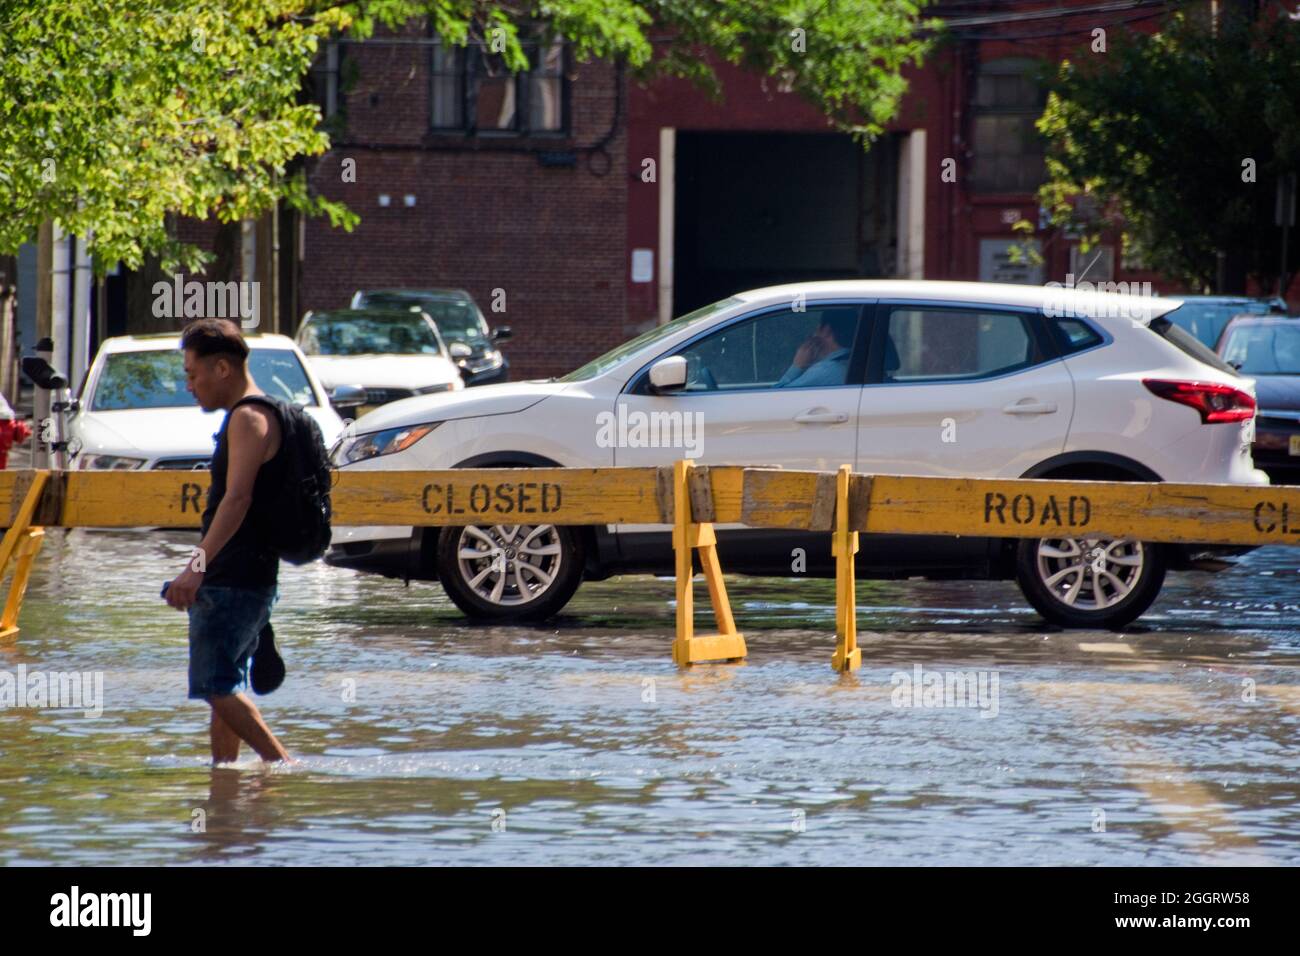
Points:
(300, 514)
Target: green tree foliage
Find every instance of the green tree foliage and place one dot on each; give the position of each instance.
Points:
(1161, 135)
(116, 115)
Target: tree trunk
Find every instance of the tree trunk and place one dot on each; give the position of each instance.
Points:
(1232, 272)
(8, 328)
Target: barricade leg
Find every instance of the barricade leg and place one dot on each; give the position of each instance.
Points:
(26, 553)
(844, 546)
(728, 644)
(20, 544)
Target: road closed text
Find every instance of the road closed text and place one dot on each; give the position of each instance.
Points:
(1276, 518)
(503, 498)
(1073, 511)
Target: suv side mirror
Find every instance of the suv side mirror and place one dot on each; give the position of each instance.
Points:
(668, 374)
(501, 333)
(347, 396)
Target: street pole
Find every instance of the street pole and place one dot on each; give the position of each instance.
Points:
(62, 299)
(44, 331)
(79, 317)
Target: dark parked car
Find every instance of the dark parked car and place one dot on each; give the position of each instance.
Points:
(1267, 348)
(1206, 316)
(459, 321)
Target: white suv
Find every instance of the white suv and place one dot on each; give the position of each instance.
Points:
(892, 377)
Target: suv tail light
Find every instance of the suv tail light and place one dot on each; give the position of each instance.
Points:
(1216, 403)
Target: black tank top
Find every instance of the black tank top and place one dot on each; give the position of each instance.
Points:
(246, 560)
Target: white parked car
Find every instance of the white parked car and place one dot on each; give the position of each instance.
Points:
(135, 411)
(892, 377)
(391, 353)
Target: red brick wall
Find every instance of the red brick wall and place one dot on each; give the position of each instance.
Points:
(486, 218)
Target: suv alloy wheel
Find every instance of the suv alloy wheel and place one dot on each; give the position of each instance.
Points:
(1090, 582)
(510, 572)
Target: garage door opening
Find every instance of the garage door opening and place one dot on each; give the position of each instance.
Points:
(757, 209)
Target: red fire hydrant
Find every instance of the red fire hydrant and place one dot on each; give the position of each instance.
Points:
(11, 430)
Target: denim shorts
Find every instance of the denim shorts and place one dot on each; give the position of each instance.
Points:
(224, 626)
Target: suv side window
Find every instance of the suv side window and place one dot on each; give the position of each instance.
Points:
(1076, 335)
(789, 348)
(929, 344)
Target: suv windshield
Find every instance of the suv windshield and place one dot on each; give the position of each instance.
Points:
(603, 363)
(1264, 349)
(156, 379)
(373, 333)
(458, 320)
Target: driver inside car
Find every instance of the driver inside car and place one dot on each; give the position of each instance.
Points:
(822, 359)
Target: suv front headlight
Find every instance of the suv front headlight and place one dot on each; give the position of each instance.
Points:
(109, 462)
(387, 442)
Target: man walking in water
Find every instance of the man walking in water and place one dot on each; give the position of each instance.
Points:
(230, 586)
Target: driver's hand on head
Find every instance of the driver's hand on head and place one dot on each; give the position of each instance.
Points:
(809, 351)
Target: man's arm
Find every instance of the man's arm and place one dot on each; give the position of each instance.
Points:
(805, 356)
(793, 373)
(248, 435)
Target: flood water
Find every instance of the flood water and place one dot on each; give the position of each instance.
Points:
(423, 740)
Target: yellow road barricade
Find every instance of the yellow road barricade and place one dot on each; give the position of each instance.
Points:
(690, 498)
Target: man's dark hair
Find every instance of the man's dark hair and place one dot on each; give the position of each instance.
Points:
(206, 337)
(842, 323)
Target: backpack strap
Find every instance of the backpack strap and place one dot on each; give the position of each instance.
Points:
(264, 400)
(281, 416)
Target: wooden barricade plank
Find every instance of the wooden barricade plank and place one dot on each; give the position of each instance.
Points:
(569, 496)
(991, 507)
(132, 499)
(774, 498)
(13, 489)
(1197, 514)
(769, 498)
(498, 495)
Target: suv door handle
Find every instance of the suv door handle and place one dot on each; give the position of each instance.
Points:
(1029, 408)
(812, 417)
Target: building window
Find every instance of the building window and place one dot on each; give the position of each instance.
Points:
(448, 93)
(546, 88)
(474, 92)
(325, 80)
(1008, 150)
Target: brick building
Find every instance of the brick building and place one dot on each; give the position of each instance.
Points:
(579, 207)
(528, 214)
